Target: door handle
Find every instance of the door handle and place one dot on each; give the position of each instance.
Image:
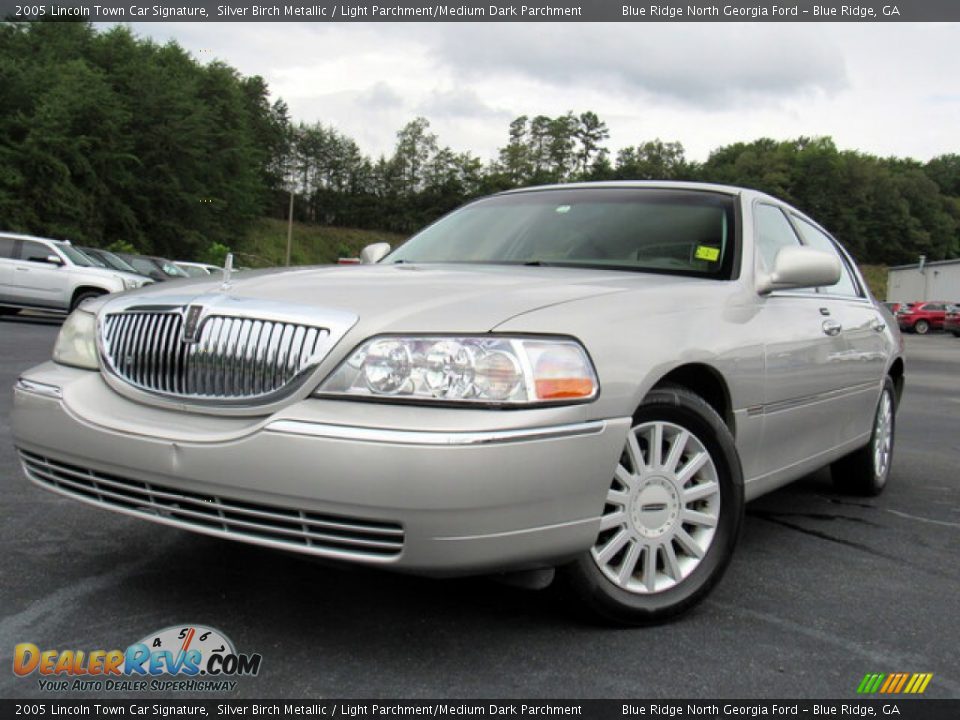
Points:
(22, 269)
(831, 327)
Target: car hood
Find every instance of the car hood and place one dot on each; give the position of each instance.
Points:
(407, 298)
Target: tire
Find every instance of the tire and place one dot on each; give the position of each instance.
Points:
(956, 333)
(81, 297)
(645, 515)
(867, 470)
(922, 327)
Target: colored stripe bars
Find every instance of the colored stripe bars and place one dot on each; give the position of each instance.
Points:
(907, 683)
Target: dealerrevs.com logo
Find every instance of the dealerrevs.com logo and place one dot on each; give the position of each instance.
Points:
(181, 658)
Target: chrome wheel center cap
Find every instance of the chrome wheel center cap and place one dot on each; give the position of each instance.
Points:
(655, 507)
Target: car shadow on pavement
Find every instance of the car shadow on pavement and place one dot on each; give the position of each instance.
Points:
(32, 319)
(286, 595)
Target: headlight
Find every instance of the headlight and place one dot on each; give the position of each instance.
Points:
(131, 283)
(479, 369)
(76, 343)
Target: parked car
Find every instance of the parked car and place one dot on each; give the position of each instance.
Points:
(52, 275)
(158, 268)
(951, 320)
(922, 317)
(592, 378)
(105, 258)
(195, 269)
(893, 307)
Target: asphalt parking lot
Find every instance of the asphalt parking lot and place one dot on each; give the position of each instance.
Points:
(823, 589)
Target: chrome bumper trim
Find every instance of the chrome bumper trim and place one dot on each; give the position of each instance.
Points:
(38, 388)
(429, 437)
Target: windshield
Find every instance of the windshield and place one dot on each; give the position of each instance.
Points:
(170, 269)
(141, 265)
(117, 263)
(75, 256)
(94, 260)
(193, 270)
(682, 232)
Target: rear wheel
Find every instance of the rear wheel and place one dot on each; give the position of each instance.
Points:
(866, 471)
(922, 327)
(956, 333)
(671, 518)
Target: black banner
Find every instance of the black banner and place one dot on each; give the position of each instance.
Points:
(477, 11)
(913, 709)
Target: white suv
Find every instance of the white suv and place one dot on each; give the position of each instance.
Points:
(52, 275)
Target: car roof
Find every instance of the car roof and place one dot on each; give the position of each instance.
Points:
(20, 236)
(644, 184)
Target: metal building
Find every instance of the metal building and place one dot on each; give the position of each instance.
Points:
(939, 280)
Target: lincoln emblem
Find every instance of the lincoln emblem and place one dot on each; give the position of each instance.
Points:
(191, 323)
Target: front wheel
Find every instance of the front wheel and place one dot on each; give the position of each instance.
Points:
(83, 297)
(866, 471)
(671, 518)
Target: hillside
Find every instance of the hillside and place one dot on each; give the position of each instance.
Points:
(876, 277)
(266, 243)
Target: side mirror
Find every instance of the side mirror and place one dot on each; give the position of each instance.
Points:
(54, 259)
(373, 254)
(800, 267)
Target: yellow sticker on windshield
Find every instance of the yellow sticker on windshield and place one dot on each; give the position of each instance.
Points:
(711, 254)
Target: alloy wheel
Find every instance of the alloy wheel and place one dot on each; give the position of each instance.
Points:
(661, 511)
(883, 436)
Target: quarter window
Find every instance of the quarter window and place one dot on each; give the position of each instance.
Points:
(819, 240)
(6, 247)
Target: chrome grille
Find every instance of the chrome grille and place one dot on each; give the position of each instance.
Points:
(233, 358)
(264, 524)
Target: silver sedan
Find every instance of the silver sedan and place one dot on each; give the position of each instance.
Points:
(593, 378)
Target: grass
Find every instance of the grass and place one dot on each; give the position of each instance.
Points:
(266, 243)
(876, 277)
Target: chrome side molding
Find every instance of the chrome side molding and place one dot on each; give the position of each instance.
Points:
(38, 388)
(430, 437)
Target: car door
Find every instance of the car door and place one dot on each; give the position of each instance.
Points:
(806, 353)
(37, 281)
(863, 327)
(935, 313)
(6, 269)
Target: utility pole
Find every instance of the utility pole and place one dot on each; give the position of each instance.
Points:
(290, 227)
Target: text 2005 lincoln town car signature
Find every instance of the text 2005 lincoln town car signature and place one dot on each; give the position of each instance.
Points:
(590, 377)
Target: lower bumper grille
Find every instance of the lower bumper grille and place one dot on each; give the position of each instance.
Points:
(263, 524)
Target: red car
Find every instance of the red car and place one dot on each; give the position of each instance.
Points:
(951, 321)
(922, 317)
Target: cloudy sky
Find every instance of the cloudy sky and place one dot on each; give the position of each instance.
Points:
(890, 89)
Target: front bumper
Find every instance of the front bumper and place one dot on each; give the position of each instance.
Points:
(429, 490)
